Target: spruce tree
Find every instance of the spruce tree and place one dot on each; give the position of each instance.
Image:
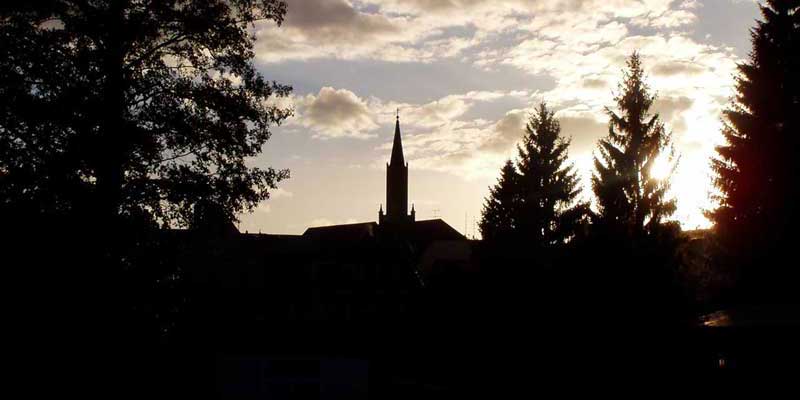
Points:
(634, 248)
(548, 212)
(630, 201)
(498, 220)
(756, 169)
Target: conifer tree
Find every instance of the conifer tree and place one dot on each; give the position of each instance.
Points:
(630, 200)
(548, 212)
(498, 220)
(756, 169)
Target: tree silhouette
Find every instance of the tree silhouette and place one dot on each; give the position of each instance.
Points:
(117, 117)
(135, 107)
(535, 201)
(756, 169)
(498, 220)
(548, 213)
(634, 248)
(630, 201)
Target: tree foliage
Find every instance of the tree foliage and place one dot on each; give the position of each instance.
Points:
(756, 169)
(135, 107)
(498, 220)
(630, 200)
(549, 187)
(536, 200)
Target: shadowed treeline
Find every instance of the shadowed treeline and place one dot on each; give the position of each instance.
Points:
(124, 133)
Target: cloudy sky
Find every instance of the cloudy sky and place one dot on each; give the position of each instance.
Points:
(464, 74)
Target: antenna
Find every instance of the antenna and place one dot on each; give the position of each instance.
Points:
(473, 227)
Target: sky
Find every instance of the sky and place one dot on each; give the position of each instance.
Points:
(464, 75)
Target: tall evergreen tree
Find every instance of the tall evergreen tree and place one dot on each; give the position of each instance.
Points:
(630, 201)
(536, 200)
(757, 169)
(498, 220)
(633, 245)
(548, 212)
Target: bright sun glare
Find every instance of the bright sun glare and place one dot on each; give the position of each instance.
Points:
(661, 168)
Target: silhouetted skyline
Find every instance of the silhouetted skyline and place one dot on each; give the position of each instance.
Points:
(463, 96)
(134, 136)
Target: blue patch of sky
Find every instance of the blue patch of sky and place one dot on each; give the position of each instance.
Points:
(369, 8)
(494, 110)
(404, 82)
(637, 30)
(464, 31)
(723, 23)
(726, 23)
(293, 147)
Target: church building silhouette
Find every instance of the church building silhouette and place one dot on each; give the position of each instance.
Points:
(397, 186)
(397, 222)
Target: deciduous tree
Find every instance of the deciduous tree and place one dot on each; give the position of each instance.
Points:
(135, 107)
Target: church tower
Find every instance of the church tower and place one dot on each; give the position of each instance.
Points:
(396, 185)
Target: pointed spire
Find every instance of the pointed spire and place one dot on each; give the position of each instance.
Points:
(397, 146)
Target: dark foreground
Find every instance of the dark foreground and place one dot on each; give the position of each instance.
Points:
(257, 317)
(438, 359)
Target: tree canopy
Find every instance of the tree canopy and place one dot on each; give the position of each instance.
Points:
(756, 169)
(498, 220)
(549, 186)
(630, 200)
(535, 201)
(135, 107)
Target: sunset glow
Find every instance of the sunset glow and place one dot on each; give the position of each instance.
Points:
(464, 76)
(399, 198)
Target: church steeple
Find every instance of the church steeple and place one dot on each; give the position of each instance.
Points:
(397, 146)
(396, 183)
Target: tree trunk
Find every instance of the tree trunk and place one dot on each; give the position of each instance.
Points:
(112, 151)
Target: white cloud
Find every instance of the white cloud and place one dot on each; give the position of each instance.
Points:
(449, 108)
(581, 44)
(340, 113)
(344, 30)
(334, 113)
(417, 30)
(468, 149)
(280, 193)
(672, 109)
(507, 132)
(583, 127)
(438, 136)
(323, 20)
